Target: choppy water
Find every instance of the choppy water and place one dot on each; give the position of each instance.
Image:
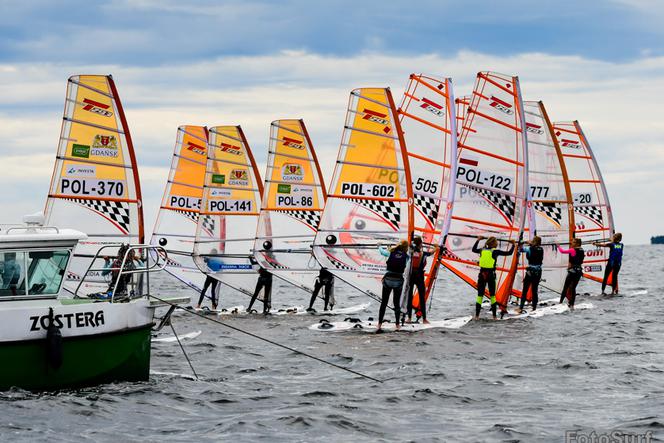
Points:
(524, 380)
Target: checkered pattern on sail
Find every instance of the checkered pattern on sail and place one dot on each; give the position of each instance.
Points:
(387, 209)
(446, 253)
(208, 223)
(429, 206)
(116, 211)
(550, 209)
(503, 202)
(312, 218)
(339, 264)
(193, 216)
(592, 212)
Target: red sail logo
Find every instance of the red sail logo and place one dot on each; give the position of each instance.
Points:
(501, 105)
(96, 107)
(198, 149)
(533, 128)
(377, 117)
(432, 107)
(293, 143)
(231, 149)
(567, 143)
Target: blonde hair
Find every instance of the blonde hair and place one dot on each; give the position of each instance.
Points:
(536, 241)
(403, 246)
(491, 242)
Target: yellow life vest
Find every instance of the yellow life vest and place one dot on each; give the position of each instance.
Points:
(486, 259)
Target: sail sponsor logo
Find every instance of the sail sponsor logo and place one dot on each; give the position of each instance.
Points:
(303, 189)
(283, 189)
(377, 117)
(567, 143)
(292, 143)
(71, 320)
(592, 268)
(231, 149)
(216, 192)
(595, 253)
(292, 172)
(534, 129)
(105, 146)
(196, 149)
(432, 107)
(185, 202)
(501, 105)
(96, 107)
(80, 151)
(219, 179)
(81, 170)
(238, 177)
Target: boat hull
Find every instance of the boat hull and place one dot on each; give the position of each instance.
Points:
(122, 355)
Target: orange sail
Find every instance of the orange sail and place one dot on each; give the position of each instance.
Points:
(95, 186)
(293, 200)
(175, 228)
(370, 200)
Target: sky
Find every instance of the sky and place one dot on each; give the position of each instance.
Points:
(251, 62)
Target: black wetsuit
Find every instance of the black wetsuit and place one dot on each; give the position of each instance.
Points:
(264, 281)
(613, 265)
(417, 280)
(535, 256)
(574, 274)
(487, 277)
(393, 282)
(209, 281)
(325, 280)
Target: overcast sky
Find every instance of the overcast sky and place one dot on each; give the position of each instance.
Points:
(248, 63)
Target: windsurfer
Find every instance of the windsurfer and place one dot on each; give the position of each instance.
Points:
(487, 275)
(397, 258)
(213, 265)
(614, 262)
(112, 267)
(325, 280)
(417, 267)
(535, 255)
(574, 271)
(264, 282)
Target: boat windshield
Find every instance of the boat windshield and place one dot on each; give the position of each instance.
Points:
(32, 273)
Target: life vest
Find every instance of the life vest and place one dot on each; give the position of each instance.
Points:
(578, 258)
(418, 261)
(396, 262)
(535, 256)
(615, 256)
(486, 259)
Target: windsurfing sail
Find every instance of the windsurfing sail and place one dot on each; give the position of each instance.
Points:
(370, 197)
(428, 119)
(592, 210)
(490, 198)
(461, 108)
(229, 210)
(175, 228)
(292, 203)
(95, 186)
(550, 200)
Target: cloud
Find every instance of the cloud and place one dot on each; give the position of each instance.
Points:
(614, 101)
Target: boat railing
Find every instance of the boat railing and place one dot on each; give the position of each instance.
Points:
(158, 264)
(32, 229)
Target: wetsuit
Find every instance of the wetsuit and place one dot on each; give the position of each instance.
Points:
(209, 281)
(574, 273)
(393, 282)
(214, 265)
(535, 256)
(418, 265)
(325, 280)
(613, 265)
(264, 281)
(487, 275)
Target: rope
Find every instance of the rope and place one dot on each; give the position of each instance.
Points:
(183, 351)
(272, 342)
